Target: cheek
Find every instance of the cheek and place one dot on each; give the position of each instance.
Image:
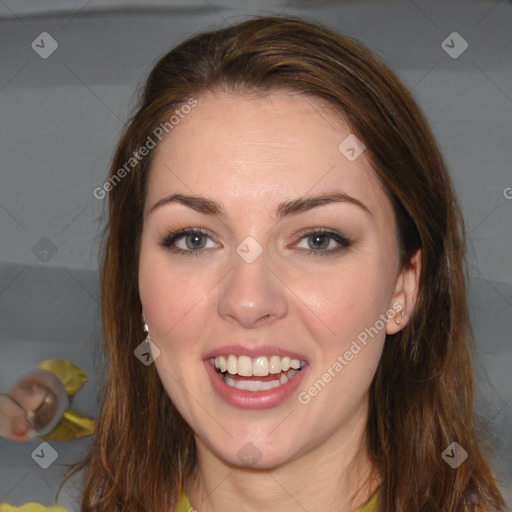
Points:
(157, 289)
(169, 295)
(349, 335)
(344, 302)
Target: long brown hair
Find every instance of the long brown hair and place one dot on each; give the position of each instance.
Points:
(421, 397)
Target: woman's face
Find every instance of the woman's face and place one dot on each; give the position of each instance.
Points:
(260, 283)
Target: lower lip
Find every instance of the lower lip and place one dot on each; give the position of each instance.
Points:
(245, 399)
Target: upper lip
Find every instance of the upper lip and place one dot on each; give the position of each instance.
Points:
(254, 351)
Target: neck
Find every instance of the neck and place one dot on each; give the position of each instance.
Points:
(325, 477)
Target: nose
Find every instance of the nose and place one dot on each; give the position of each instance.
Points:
(252, 295)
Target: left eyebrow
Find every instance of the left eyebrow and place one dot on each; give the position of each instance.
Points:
(210, 207)
(307, 203)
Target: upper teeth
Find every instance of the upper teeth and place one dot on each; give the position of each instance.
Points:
(257, 367)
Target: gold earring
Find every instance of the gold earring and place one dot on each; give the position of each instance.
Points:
(146, 332)
(398, 320)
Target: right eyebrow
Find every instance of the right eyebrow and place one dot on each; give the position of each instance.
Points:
(198, 203)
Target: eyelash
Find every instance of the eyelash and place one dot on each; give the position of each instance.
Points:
(174, 236)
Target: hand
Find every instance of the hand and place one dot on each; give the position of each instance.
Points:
(19, 408)
(14, 424)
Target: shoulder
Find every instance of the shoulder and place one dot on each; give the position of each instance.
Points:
(371, 505)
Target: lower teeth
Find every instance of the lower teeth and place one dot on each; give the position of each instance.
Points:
(258, 385)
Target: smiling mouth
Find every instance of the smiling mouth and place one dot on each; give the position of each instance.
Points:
(258, 374)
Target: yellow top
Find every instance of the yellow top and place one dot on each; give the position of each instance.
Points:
(185, 506)
(31, 507)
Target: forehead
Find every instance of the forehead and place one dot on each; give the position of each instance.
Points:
(257, 151)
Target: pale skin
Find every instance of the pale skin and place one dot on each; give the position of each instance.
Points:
(250, 155)
(13, 422)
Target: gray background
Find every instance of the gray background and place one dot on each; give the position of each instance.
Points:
(61, 118)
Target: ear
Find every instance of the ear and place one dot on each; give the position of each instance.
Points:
(405, 295)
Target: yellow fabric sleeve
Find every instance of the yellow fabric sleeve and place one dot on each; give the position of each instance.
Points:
(371, 506)
(31, 507)
(183, 504)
